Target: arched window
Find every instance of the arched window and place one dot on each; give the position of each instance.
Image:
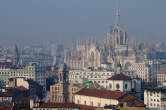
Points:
(110, 85)
(117, 86)
(92, 57)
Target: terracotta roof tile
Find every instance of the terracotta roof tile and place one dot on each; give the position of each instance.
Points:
(24, 99)
(84, 107)
(21, 88)
(119, 77)
(66, 105)
(6, 107)
(132, 101)
(101, 93)
(58, 105)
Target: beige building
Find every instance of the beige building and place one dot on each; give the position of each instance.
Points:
(146, 70)
(59, 92)
(105, 99)
(155, 97)
(96, 76)
(98, 98)
(18, 82)
(31, 71)
(161, 77)
(119, 82)
(72, 90)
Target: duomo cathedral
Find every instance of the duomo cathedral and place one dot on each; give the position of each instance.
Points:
(113, 50)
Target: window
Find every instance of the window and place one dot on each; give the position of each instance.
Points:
(125, 86)
(117, 86)
(110, 85)
(78, 101)
(85, 102)
(99, 104)
(91, 103)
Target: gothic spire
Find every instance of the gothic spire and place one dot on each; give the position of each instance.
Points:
(16, 56)
(117, 17)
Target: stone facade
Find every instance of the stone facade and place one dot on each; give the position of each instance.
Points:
(59, 92)
(115, 48)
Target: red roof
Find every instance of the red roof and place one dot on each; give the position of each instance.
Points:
(65, 105)
(162, 72)
(6, 107)
(119, 77)
(101, 93)
(24, 99)
(132, 101)
(21, 88)
(85, 107)
(58, 105)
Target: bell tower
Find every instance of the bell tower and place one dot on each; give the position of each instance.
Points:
(16, 56)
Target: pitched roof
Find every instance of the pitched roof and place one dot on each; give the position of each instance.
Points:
(119, 77)
(65, 105)
(85, 107)
(58, 105)
(101, 93)
(22, 88)
(24, 99)
(132, 101)
(6, 107)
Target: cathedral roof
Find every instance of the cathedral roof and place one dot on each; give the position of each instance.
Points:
(119, 77)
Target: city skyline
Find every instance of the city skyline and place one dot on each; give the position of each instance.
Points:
(34, 21)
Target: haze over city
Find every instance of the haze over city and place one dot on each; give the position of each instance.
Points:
(82, 55)
(33, 21)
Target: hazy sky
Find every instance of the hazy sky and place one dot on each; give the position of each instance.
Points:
(26, 21)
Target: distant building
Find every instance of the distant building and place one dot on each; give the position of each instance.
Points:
(146, 71)
(56, 106)
(102, 98)
(72, 90)
(155, 97)
(59, 92)
(6, 98)
(161, 77)
(96, 76)
(120, 82)
(16, 57)
(32, 87)
(17, 82)
(115, 47)
(24, 103)
(31, 71)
